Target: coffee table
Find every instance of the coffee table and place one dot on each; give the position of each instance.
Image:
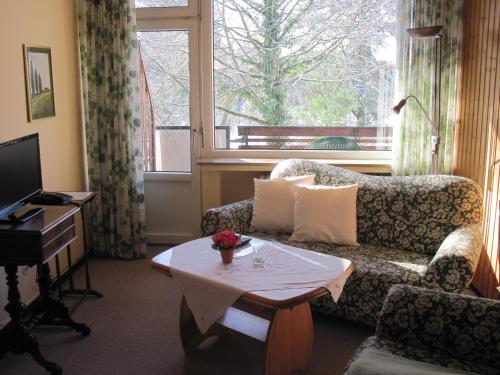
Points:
(279, 318)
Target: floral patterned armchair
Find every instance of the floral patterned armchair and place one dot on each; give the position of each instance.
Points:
(424, 331)
(416, 230)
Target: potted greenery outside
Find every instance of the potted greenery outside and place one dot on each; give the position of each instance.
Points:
(225, 241)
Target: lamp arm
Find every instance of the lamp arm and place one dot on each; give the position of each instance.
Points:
(422, 108)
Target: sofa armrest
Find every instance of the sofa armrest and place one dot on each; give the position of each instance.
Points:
(235, 216)
(455, 262)
(461, 326)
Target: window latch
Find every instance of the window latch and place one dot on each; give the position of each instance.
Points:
(193, 138)
(202, 135)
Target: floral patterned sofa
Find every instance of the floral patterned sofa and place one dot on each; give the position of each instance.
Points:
(424, 331)
(416, 230)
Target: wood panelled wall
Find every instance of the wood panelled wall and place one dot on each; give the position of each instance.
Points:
(477, 152)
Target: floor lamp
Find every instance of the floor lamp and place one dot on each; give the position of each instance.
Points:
(424, 33)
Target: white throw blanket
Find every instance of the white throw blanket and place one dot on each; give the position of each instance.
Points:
(210, 286)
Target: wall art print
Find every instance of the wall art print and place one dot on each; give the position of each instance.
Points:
(39, 84)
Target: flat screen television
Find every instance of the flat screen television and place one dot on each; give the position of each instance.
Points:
(20, 173)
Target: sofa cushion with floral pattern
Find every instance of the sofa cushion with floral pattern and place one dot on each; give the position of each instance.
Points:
(414, 213)
(460, 333)
(416, 230)
(375, 270)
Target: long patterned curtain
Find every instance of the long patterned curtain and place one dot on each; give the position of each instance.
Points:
(416, 62)
(109, 64)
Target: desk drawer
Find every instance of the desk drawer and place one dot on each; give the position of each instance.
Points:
(57, 242)
(37, 240)
(57, 230)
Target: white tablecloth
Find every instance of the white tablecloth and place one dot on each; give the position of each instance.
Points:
(210, 286)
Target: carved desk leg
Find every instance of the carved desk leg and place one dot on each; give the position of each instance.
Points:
(14, 336)
(56, 313)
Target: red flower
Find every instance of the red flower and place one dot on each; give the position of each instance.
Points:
(225, 239)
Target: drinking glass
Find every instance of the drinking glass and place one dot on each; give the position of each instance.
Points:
(258, 254)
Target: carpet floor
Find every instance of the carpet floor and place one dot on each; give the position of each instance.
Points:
(134, 331)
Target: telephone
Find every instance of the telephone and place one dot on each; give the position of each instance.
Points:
(52, 199)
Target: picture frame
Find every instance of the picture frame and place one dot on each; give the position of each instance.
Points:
(39, 82)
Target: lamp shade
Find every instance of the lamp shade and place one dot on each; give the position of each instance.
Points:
(397, 108)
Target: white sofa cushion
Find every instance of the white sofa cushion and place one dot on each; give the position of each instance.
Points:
(325, 214)
(274, 203)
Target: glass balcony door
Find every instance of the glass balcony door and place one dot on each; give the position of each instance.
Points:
(170, 84)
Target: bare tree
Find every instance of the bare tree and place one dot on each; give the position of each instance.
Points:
(166, 58)
(276, 62)
(265, 49)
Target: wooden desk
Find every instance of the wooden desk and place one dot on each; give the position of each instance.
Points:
(35, 243)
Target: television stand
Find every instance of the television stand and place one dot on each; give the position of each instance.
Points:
(25, 217)
(29, 244)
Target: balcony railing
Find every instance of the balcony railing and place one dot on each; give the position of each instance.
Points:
(369, 138)
(172, 143)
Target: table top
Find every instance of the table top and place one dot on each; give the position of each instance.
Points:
(273, 299)
(80, 197)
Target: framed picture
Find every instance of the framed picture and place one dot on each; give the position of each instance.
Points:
(39, 85)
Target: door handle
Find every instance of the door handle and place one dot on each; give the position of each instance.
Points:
(193, 138)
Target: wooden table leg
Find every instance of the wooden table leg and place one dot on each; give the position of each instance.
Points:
(288, 343)
(289, 340)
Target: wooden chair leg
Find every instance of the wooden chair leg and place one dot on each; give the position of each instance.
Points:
(289, 340)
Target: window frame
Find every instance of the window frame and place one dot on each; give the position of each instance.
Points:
(191, 10)
(199, 15)
(171, 20)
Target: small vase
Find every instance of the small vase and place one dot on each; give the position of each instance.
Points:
(226, 255)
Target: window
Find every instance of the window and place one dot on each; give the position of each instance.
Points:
(169, 85)
(296, 74)
(268, 78)
(165, 69)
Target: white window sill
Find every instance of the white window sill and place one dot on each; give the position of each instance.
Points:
(264, 164)
(167, 176)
